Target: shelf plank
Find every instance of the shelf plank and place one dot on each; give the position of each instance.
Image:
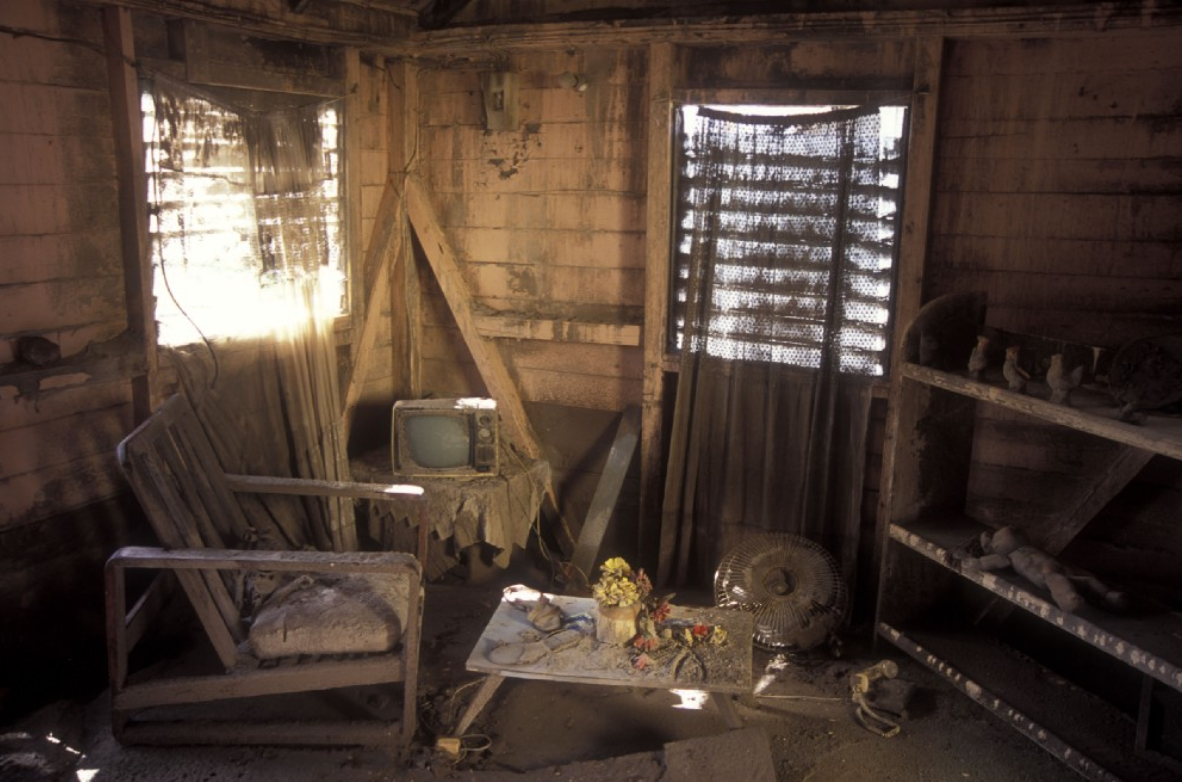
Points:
(1073, 719)
(1147, 638)
(1090, 412)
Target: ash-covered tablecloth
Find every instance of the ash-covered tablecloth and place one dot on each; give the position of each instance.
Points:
(497, 510)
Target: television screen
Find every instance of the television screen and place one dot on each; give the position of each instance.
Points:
(438, 442)
(446, 437)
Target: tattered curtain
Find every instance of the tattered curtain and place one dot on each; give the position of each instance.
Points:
(787, 239)
(244, 226)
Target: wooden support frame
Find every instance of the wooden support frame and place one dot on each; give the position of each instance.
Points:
(391, 276)
(451, 280)
(133, 203)
(606, 494)
(485, 353)
(1111, 478)
(377, 289)
(658, 254)
(552, 330)
(913, 251)
(405, 297)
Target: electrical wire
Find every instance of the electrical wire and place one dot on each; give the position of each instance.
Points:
(158, 252)
(467, 750)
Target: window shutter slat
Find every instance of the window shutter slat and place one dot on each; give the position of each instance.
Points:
(764, 196)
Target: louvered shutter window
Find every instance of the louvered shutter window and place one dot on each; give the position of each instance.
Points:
(239, 203)
(799, 215)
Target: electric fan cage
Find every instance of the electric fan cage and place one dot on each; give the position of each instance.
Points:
(791, 585)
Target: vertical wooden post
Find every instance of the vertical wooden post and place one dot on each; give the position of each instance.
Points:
(913, 249)
(351, 165)
(403, 132)
(133, 201)
(658, 251)
(368, 284)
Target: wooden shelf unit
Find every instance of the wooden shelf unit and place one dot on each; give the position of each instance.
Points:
(925, 591)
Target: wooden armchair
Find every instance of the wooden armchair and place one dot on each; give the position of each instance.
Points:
(191, 504)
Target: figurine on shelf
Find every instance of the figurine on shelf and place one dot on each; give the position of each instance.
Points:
(979, 358)
(1014, 374)
(1061, 381)
(1009, 548)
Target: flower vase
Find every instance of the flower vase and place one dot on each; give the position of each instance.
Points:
(616, 625)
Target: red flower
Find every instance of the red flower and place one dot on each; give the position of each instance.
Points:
(701, 630)
(643, 582)
(661, 612)
(645, 643)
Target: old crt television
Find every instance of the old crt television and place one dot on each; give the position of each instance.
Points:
(446, 437)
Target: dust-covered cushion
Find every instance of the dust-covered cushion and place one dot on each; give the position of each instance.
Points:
(335, 615)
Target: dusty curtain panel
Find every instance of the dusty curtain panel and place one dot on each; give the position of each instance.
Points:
(786, 233)
(245, 221)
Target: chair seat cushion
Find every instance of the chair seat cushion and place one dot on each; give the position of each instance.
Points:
(334, 615)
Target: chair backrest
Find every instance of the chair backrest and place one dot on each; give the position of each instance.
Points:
(172, 468)
(174, 472)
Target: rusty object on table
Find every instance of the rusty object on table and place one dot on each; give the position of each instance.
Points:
(1146, 374)
(546, 616)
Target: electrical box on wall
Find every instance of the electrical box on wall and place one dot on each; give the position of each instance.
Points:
(500, 101)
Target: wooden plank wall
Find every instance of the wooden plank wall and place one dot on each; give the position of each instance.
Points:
(60, 265)
(367, 153)
(549, 219)
(60, 277)
(63, 503)
(1059, 190)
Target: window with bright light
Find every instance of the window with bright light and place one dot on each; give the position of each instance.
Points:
(241, 205)
(789, 231)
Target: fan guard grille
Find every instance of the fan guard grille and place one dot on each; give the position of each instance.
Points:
(791, 585)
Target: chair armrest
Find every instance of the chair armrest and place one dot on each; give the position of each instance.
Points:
(235, 559)
(260, 484)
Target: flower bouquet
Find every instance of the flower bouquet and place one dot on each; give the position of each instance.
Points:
(620, 597)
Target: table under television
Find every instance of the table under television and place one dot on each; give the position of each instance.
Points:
(588, 662)
(496, 510)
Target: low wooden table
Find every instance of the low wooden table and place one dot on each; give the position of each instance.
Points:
(725, 670)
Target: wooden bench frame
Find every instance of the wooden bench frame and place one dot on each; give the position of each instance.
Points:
(190, 503)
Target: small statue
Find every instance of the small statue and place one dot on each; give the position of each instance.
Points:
(979, 359)
(1014, 374)
(1009, 548)
(1061, 381)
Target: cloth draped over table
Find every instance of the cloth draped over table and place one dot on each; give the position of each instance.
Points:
(499, 511)
(783, 222)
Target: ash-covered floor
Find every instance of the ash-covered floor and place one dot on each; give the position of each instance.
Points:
(801, 727)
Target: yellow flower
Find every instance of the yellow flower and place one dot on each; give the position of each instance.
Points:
(617, 586)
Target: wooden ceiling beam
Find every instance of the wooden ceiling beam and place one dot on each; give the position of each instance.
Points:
(1030, 21)
(335, 23)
